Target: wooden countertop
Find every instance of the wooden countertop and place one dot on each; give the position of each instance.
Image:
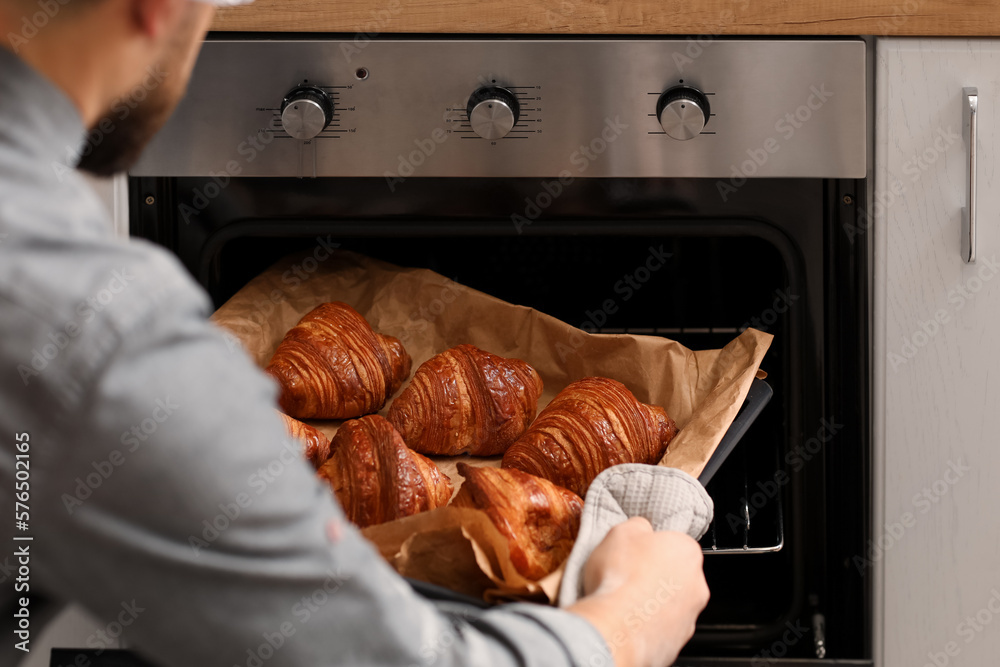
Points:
(696, 17)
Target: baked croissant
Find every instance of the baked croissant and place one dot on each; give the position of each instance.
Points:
(317, 445)
(331, 365)
(592, 424)
(539, 519)
(466, 400)
(377, 478)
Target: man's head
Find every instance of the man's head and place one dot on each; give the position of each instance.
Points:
(124, 63)
(128, 123)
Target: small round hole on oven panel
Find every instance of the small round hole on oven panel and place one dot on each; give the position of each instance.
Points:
(361, 73)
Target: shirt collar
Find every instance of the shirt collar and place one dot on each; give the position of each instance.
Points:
(35, 116)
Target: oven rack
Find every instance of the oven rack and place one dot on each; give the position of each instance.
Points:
(738, 527)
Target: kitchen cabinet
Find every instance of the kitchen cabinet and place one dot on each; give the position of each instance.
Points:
(699, 18)
(937, 356)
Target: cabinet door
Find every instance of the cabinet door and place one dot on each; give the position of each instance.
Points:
(937, 356)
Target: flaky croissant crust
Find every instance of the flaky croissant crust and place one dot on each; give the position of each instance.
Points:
(467, 400)
(591, 425)
(316, 446)
(377, 478)
(539, 519)
(332, 365)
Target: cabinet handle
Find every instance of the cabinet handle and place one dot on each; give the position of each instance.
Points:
(970, 109)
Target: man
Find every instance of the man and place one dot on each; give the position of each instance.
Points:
(117, 406)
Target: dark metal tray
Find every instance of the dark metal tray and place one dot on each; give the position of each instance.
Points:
(757, 399)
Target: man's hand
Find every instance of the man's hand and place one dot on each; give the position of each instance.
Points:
(644, 591)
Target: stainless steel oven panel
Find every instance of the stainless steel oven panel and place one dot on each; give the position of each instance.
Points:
(780, 108)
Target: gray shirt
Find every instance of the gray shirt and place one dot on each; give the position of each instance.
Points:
(165, 496)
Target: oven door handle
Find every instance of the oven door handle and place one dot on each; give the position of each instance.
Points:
(970, 113)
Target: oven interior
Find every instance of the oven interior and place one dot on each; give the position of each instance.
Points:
(775, 256)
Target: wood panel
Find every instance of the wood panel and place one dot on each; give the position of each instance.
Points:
(937, 356)
(732, 17)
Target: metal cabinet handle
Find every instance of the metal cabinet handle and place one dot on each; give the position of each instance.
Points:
(970, 109)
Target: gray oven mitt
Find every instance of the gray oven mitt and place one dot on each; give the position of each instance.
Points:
(670, 498)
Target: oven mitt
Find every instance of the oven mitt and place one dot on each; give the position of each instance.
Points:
(669, 498)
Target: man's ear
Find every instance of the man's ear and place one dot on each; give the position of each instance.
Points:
(155, 18)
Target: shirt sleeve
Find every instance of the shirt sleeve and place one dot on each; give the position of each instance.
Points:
(179, 509)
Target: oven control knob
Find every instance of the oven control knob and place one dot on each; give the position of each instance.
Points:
(683, 112)
(305, 112)
(493, 112)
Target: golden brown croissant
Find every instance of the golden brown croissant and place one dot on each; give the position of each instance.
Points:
(377, 478)
(466, 400)
(331, 365)
(316, 445)
(539, 519)
(592, 424)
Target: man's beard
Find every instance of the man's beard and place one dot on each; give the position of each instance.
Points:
(116, 142)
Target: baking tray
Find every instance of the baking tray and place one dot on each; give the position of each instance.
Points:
(758, 397)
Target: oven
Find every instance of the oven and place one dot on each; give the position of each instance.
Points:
(679, 187)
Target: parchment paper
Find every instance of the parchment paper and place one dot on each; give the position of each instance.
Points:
(701, 390)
